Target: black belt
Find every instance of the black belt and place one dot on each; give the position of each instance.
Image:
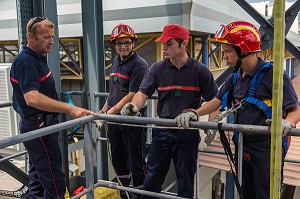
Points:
(38, 115)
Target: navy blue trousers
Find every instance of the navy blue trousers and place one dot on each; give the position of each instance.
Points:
(256, 171)
(182, 147)
(47, 180)
(128, 146)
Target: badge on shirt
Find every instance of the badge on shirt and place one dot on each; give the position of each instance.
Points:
(178, 93)
(115, 78)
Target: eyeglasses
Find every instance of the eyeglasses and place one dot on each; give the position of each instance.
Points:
(36, 20)
(126, 44)
(221, 33)
(122, 29)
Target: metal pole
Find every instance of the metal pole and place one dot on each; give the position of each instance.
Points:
(240, 162)
(89, 163)
(136, 120)
(198, 177)
(5, 104)
(137, 191)
(12, 156)
(100, 158)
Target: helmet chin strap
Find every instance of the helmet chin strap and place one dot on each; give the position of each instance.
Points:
(240, 57)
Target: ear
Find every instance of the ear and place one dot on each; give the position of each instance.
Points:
(184, 43)
(30, 35)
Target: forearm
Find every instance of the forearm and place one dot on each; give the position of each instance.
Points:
(294, 115)
(42, 102)
(117, 108)
(209, 107)
(105, 107)
(139, 99)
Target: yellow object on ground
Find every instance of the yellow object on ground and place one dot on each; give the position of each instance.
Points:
(105, 193)
(67, 195)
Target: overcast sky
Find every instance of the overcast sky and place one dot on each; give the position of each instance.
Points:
(254, 1)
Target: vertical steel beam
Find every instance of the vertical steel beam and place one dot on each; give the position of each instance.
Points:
(89, 160)
(53, 56)
(94, 65)
(204, 40)
(24, 13)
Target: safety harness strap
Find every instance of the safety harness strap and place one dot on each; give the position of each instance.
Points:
(260, 104)
(229, 156)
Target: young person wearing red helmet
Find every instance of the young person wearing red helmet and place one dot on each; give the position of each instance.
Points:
(180, 81)
(128, 144)
(251, 87)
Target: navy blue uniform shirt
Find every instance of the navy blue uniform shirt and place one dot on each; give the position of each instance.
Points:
(178, 89)
(251, 114)
(125, 77)
(29, 72)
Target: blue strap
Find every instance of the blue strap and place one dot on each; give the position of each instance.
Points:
(224, 101)
(257, 79)
(225, 96)
(260, 104)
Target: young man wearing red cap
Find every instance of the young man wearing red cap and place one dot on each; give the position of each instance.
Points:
(181, 81)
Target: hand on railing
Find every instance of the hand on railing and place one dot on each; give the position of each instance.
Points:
(286, 126)
(100, 123)
(184, 118)
(130, 109)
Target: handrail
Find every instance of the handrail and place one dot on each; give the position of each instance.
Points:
(44, 131)
(12, 156)
(128, 119)
(5, 104)
(112, 185)
(136, 120)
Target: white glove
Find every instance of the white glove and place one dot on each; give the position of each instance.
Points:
(100, 123)
(210, 136)
(130, 109)
(184, 118)
(286, 126)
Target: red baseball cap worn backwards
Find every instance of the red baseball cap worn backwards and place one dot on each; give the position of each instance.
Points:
(173, 31)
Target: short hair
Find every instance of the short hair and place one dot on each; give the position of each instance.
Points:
(33, 24)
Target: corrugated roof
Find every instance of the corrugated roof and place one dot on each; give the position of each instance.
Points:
(291, 170)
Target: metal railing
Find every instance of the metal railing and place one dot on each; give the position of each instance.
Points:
(89, 143)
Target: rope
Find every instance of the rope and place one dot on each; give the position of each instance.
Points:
(151, 127)
(110, 158)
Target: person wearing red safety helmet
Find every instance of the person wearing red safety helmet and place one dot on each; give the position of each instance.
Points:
(249, 91)
(181, 81)
(128, 144)
(243, 36)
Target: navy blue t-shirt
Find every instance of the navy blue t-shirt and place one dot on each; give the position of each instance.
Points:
(30, 72)
(251, 114)
(125, 77)
(178, 89)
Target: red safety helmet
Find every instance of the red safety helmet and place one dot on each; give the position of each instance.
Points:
(240, 33)
(122, 30)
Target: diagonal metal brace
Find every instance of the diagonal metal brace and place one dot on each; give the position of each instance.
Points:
(268, 27)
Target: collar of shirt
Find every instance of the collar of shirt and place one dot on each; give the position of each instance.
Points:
(187, 64)
(255, 70)
(121, 61)
(32, 52)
